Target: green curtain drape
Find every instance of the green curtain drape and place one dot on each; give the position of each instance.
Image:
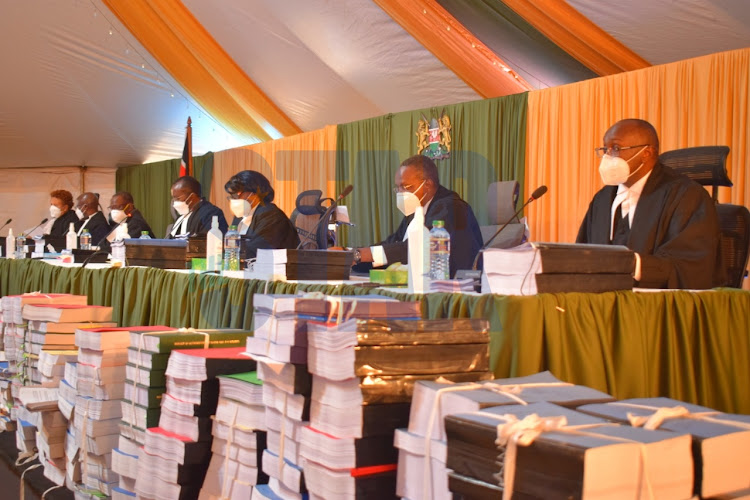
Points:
(690, 346)
(150, 184)
(488, 145)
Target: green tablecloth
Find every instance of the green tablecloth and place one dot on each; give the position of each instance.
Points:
(689, 346)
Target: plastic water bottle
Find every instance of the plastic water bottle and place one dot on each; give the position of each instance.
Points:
(144, 236)
(85, 240)
(440, 251)
(20, 244)
(232, 250)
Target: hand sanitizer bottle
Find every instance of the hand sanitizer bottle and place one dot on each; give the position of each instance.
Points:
(214, 246)
(71, 239)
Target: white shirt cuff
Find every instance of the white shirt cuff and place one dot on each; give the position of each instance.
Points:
(637, 273)
(378, 256)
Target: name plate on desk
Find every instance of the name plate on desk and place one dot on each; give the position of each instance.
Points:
(556, 268)
(163, 253)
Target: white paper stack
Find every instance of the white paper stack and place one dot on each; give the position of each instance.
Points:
(100, 384)
(52, 364)
(239, 439)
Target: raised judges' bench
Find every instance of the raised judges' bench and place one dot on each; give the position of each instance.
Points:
(692, 346)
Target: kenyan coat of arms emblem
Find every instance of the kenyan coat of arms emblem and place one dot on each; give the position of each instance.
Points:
(434, 137)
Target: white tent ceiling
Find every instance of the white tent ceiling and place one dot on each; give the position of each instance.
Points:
(78, 89)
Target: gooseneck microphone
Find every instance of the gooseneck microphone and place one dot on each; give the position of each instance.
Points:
(314, 231)
(6, 223)
(44, 221)
(538, 193)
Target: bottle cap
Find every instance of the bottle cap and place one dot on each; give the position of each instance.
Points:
(144, 232)
(233, 227)
(438, 223)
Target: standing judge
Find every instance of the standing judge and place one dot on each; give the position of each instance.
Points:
(261, 223)
(666, 218)
(417, 184)
(90, 217)
(61, 211)
(195, 212)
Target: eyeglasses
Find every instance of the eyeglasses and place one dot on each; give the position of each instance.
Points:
(402, 188)
(235, 196)
(615, 150)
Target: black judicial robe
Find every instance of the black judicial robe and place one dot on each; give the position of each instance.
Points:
(97, 225)
(269, 228)
(675, 230)
(460, 222)
(61, 226)
(199, 222)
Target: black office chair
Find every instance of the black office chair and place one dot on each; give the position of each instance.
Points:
(306, 217)
(707, 165)
(734, 221)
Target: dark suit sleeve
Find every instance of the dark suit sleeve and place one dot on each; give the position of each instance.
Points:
(394, 246)
(270, 228)
(98, 227)
(686, 256)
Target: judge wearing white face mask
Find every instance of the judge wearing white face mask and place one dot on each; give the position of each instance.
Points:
(122, 210)
(90, 217)
(61, 212)
(195, 213)
(260, 223)
(666, 218)
(417, 183)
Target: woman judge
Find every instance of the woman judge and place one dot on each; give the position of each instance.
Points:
(61, 211)
(261, 223)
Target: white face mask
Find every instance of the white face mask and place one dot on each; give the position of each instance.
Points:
(54, 212)
(80, 214)
(182, 207)
(408, 202)
(118, 215)
(240, 208)
(614, 170)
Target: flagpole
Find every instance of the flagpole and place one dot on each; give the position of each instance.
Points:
(190, 146)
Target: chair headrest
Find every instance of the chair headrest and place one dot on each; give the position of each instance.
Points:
(308, 202)
(501, 201)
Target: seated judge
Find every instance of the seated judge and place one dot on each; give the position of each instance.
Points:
(122, 209)
(417, 184)
(90, 217)
(62, 213)
(195, 212)
(261, 223)
(666, 218)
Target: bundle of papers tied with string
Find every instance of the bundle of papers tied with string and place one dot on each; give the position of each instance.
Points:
(542, 450)
(720, 440)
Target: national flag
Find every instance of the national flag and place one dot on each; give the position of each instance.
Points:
(186, 165)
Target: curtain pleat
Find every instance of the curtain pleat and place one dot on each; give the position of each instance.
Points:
(292, 164)
(689, 346)
(488, 145)
(697, 102)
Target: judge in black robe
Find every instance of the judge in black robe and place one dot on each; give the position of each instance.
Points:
(261, 224)
(96, 224)
(442, 204)
(63, 201)
(675, 229)
(186, 195)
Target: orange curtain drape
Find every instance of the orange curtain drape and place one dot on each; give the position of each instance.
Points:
(171, 34)
(696, 102)
(292, 164)
(578, 36)
(440, 33)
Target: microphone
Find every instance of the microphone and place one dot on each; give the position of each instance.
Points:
(314, 231)
(44, 221)
(6, 223)
(538, 193)
(100, 250)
